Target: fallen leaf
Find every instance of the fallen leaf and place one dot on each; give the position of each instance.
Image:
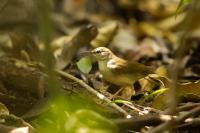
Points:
(85, 64)
(188, 90)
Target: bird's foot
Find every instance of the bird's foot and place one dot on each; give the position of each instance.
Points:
(124, 93)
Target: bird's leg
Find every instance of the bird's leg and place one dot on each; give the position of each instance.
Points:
(154, 81)
(125, 92)
(116, 93)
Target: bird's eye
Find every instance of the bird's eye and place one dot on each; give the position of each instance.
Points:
(98, 51)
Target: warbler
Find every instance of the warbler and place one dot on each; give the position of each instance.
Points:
(119, 71)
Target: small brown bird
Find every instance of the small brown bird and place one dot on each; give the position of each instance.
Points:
(119, 71)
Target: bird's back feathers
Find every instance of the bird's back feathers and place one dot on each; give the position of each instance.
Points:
(124, 67)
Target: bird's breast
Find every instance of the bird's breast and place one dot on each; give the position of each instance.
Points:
(114, 78)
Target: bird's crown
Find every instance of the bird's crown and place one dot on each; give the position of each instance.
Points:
(102, 53)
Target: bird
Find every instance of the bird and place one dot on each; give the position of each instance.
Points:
(120, 72)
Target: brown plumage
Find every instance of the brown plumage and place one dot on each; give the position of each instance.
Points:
(117, 70)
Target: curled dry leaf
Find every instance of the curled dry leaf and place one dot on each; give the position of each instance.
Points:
(105, 35)
(82, 38)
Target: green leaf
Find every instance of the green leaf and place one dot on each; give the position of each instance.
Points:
(156, 98)
(155, 93)
(180, 5)
(121, 101)
(84, 64)
(90, 122)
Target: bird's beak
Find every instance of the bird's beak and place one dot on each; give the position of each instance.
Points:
(86, 53)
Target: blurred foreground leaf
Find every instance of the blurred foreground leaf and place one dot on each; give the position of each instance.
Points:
(89, 122)
(68, 115)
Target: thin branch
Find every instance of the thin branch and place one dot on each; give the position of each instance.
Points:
(187, 106)
(138, 122)
(91, 90)
(190, 125)
(162, 127)
(184, 116)
(169, 124)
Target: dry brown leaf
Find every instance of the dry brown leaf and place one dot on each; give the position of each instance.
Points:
(105, 35)
(187, 90)
(23, 42)
(82, 38)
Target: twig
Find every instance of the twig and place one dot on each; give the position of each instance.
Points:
(191, 124)
(139, 122)
(141, 110)
(184, 116)
(184, 107)
(148, 108)
(91, 90)
(162, 127)
(175, 121)
(187, 106)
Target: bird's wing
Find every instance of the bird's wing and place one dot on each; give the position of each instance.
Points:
(124, 67)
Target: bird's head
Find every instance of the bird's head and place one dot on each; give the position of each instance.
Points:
(102, 53)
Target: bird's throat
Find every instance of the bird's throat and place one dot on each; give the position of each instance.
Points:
(103, 66)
